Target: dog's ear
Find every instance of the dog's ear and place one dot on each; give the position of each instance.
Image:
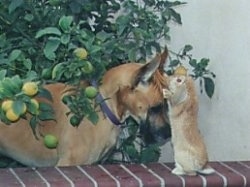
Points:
(145, 73)
(163, 61)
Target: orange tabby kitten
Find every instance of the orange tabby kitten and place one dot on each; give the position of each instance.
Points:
(189, 149)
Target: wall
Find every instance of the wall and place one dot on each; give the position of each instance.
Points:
(220, 30)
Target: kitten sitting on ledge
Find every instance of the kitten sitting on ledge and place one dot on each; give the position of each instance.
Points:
(190, 152)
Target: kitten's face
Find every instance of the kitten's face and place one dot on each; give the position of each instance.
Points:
(177, 82)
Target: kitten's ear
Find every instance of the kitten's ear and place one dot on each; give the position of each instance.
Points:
(146, 72)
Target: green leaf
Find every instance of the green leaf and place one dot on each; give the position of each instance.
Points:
(75, 7)
(14, 83)
(45, 107)
(45, 94)
(32, 108)
(31, 75)
(50, 47)
(131, 150)
(58, 70)
(9, 86)
(46, 112)
(29, 17)
(3, 74)
(209, 86)
(27, 63)
(122, 22)
(174, 3)
(14, 54)
(46, 115)
(65, 23)
(103, 35)
(4, 93)
(14, 5)
(93, 117)
(95, 49)
(150, 154)
(204, 62)
(48, 31)
(174, 63)
(33, 124)
(17, 82)
(65, 38)
(187, 48)
(193, 62)
(18, 107)
(176, 16)
(132, 54)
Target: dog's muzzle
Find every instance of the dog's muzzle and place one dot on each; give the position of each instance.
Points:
(156, 129)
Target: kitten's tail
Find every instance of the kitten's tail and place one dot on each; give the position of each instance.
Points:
(206, 170)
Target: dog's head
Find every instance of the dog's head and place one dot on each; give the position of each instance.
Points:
(143, 99)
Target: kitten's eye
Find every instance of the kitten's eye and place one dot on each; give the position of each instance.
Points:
(178, 80)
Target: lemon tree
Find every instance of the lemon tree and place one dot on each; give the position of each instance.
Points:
(17, 100)
(67, 41)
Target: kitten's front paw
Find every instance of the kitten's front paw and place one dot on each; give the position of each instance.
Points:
(178, 171)
(166, 93)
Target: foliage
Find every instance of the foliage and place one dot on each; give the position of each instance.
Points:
(199, 69)
(131, 148)
(39, 37)
(8, 162)
(11, 89)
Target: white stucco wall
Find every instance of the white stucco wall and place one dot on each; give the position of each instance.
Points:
(220, 30)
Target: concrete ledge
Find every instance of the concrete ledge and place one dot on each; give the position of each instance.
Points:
(235, 174)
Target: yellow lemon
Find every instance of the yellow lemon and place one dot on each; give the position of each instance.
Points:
(24, 108)
(30, 88)
(35, 103)
(6, 105)
(10, 115)
(181, 70)
(50, 141)
(81, 53)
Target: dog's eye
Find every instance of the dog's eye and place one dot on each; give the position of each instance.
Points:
(140, 107)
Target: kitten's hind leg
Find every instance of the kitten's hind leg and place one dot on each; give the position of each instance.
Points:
(206, 170)
(178, 170)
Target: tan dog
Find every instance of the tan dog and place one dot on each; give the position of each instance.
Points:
(132, 89)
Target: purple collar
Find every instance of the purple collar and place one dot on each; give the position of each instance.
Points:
(106, 110)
